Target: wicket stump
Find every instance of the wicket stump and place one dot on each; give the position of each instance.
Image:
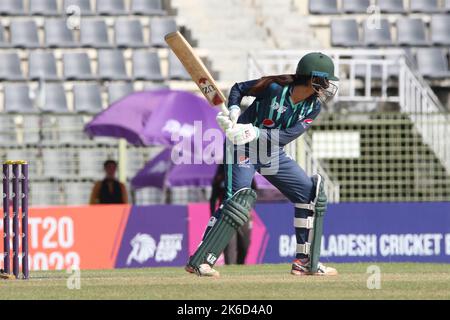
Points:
(19, 199)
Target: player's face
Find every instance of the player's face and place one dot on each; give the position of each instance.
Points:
(325, 88)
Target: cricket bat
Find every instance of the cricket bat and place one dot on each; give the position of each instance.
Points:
(196, 69)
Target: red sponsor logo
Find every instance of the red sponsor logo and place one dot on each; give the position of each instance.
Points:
(268, 123)
(244, 160)
(308, 121)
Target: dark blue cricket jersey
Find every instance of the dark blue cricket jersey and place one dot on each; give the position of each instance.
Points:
(273, 109)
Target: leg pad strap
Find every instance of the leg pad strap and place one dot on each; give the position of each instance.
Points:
(307, 223)
(306, 206)
(304, 248)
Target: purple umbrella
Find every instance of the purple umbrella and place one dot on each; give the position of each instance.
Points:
(162, 172)
(155, 117)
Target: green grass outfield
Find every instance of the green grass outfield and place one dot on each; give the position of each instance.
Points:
(398, 281)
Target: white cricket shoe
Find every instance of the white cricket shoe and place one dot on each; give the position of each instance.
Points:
(205, 270)
(301, 268)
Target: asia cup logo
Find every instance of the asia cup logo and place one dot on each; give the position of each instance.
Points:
(144, 247)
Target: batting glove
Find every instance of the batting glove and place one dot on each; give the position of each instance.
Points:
(235, 112)
(241, 134)
(224, 121)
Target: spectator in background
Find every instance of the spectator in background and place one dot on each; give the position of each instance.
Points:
(236, 251)
(109, 190)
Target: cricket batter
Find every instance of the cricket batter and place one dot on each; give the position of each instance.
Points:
(284, 108)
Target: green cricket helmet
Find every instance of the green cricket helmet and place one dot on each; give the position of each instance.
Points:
(316, 64)
(320, 68)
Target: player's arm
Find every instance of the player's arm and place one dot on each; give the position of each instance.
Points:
(288, 135)
(244, 133)
(227, 120)
(238, 91)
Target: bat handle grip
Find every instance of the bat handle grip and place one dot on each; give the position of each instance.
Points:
(224, 109)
